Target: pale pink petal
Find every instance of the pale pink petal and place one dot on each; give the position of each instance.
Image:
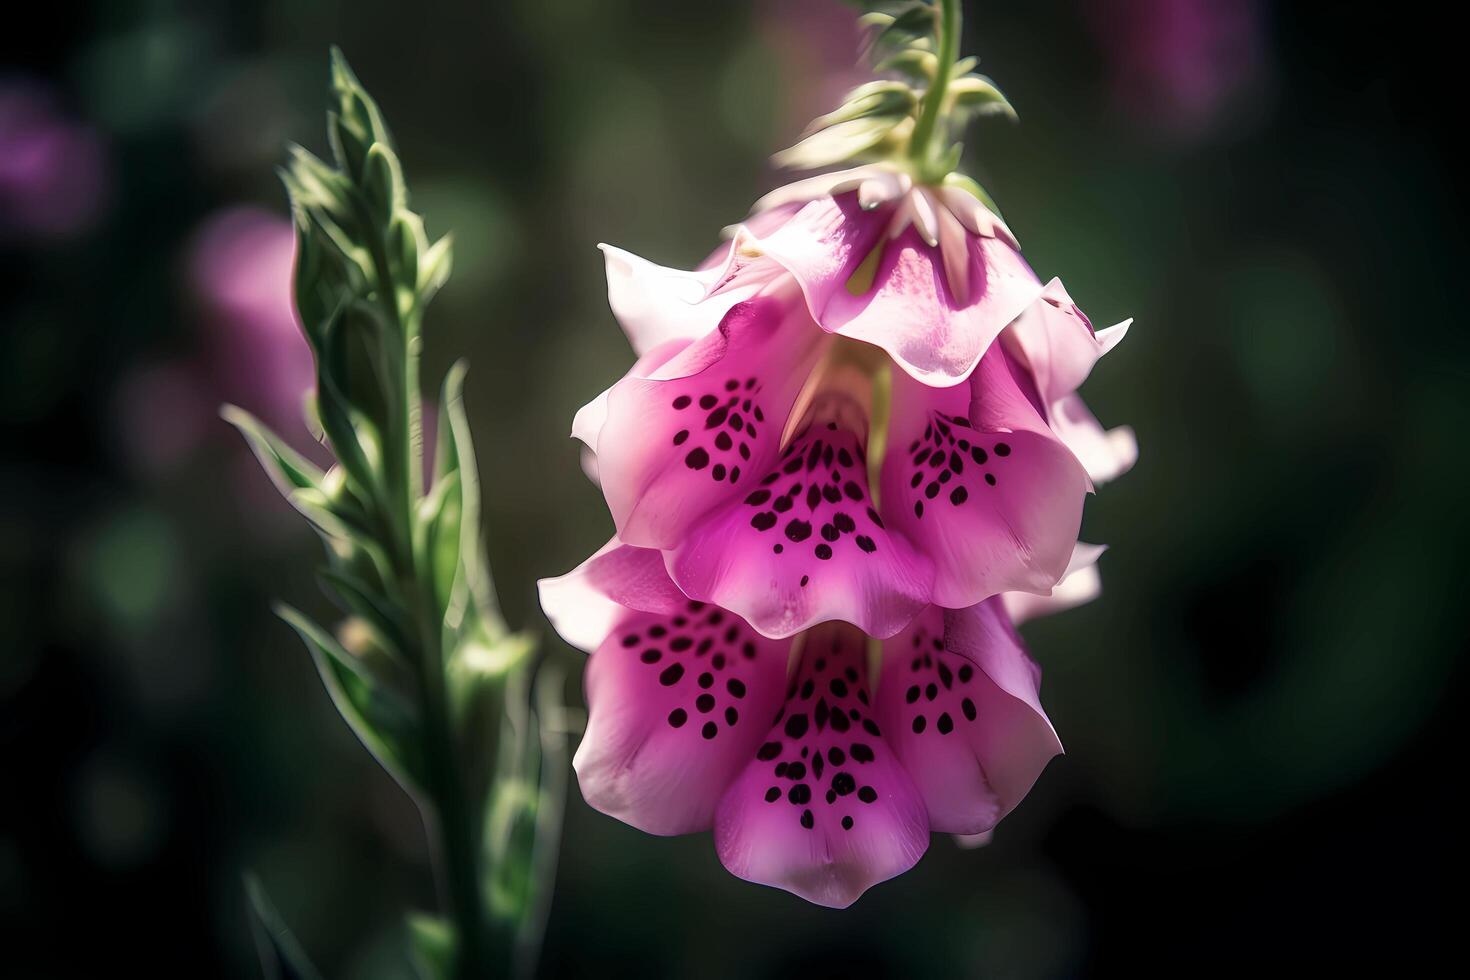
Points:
(677, 706)
(823, 809)
(655, 305)
(909, 310)
(805, 544)
(1106, 453)
(681, 440)
(1054, 341)
(584, 604)
(959, 702)
(978, 482)
(1080, 584)
(590, 418)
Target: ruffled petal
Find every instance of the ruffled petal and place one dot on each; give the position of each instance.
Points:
(823, 809)
(806, 545)
(590, 418)
(677, 705)
(1106, 453)
(1080, 584)
(586, 603)
(1054, 341)
(959, 700)
(909, 310)
(655, 305)
(679, 440)
(978, 482)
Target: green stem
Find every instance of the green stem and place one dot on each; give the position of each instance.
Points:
(921, 144)
(458, 838)
(448, 809)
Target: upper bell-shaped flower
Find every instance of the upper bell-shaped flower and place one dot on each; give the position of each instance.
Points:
(739, 446)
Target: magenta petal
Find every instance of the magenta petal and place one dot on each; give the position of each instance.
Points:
(584, 604)
(678, 441)
(959, 701)
(806, 546)
(823, 809)
(677, 705)
(909, 310)
(980, 484)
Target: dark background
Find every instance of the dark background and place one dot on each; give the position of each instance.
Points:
(1257, 712)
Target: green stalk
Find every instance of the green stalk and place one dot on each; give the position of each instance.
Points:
(459, 838)
(458, 857)
(921, 144)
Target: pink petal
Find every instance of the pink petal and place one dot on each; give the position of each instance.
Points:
(910, 310)
(590, 418)
(978, 482)
(806, 545)
(1106, 453)
(823, 809)
(1054, 341)
(655, 305)
(1080, 584)
(678, 441)
(586, 603)
(959, 702)
(677, 705)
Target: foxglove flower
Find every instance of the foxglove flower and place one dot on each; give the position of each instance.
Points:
(818, 777)
(739, 446)
(851, 442)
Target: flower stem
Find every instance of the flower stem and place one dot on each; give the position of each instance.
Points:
(447, 811)
(947, 35)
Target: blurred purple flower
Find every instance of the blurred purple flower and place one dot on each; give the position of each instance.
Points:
(163, 412)
(54, 178)
(239, 270)
(1180, 63)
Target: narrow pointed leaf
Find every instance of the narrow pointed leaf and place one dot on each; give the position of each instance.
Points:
(281, 956)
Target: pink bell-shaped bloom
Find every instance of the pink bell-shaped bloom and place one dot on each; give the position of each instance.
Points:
(738, 447)
(927, 273)
(816, 776)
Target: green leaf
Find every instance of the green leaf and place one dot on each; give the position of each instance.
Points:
(382, 184)
(969, 185)
(913, 63)
(977, 95)
(366, 601)
(913, 26)
(456, 453)
(437, 541)
(880, 98)
(432, 942)
(384, 722)
(281, 956)
(434, 270)
(288, 469)
(838, 143)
